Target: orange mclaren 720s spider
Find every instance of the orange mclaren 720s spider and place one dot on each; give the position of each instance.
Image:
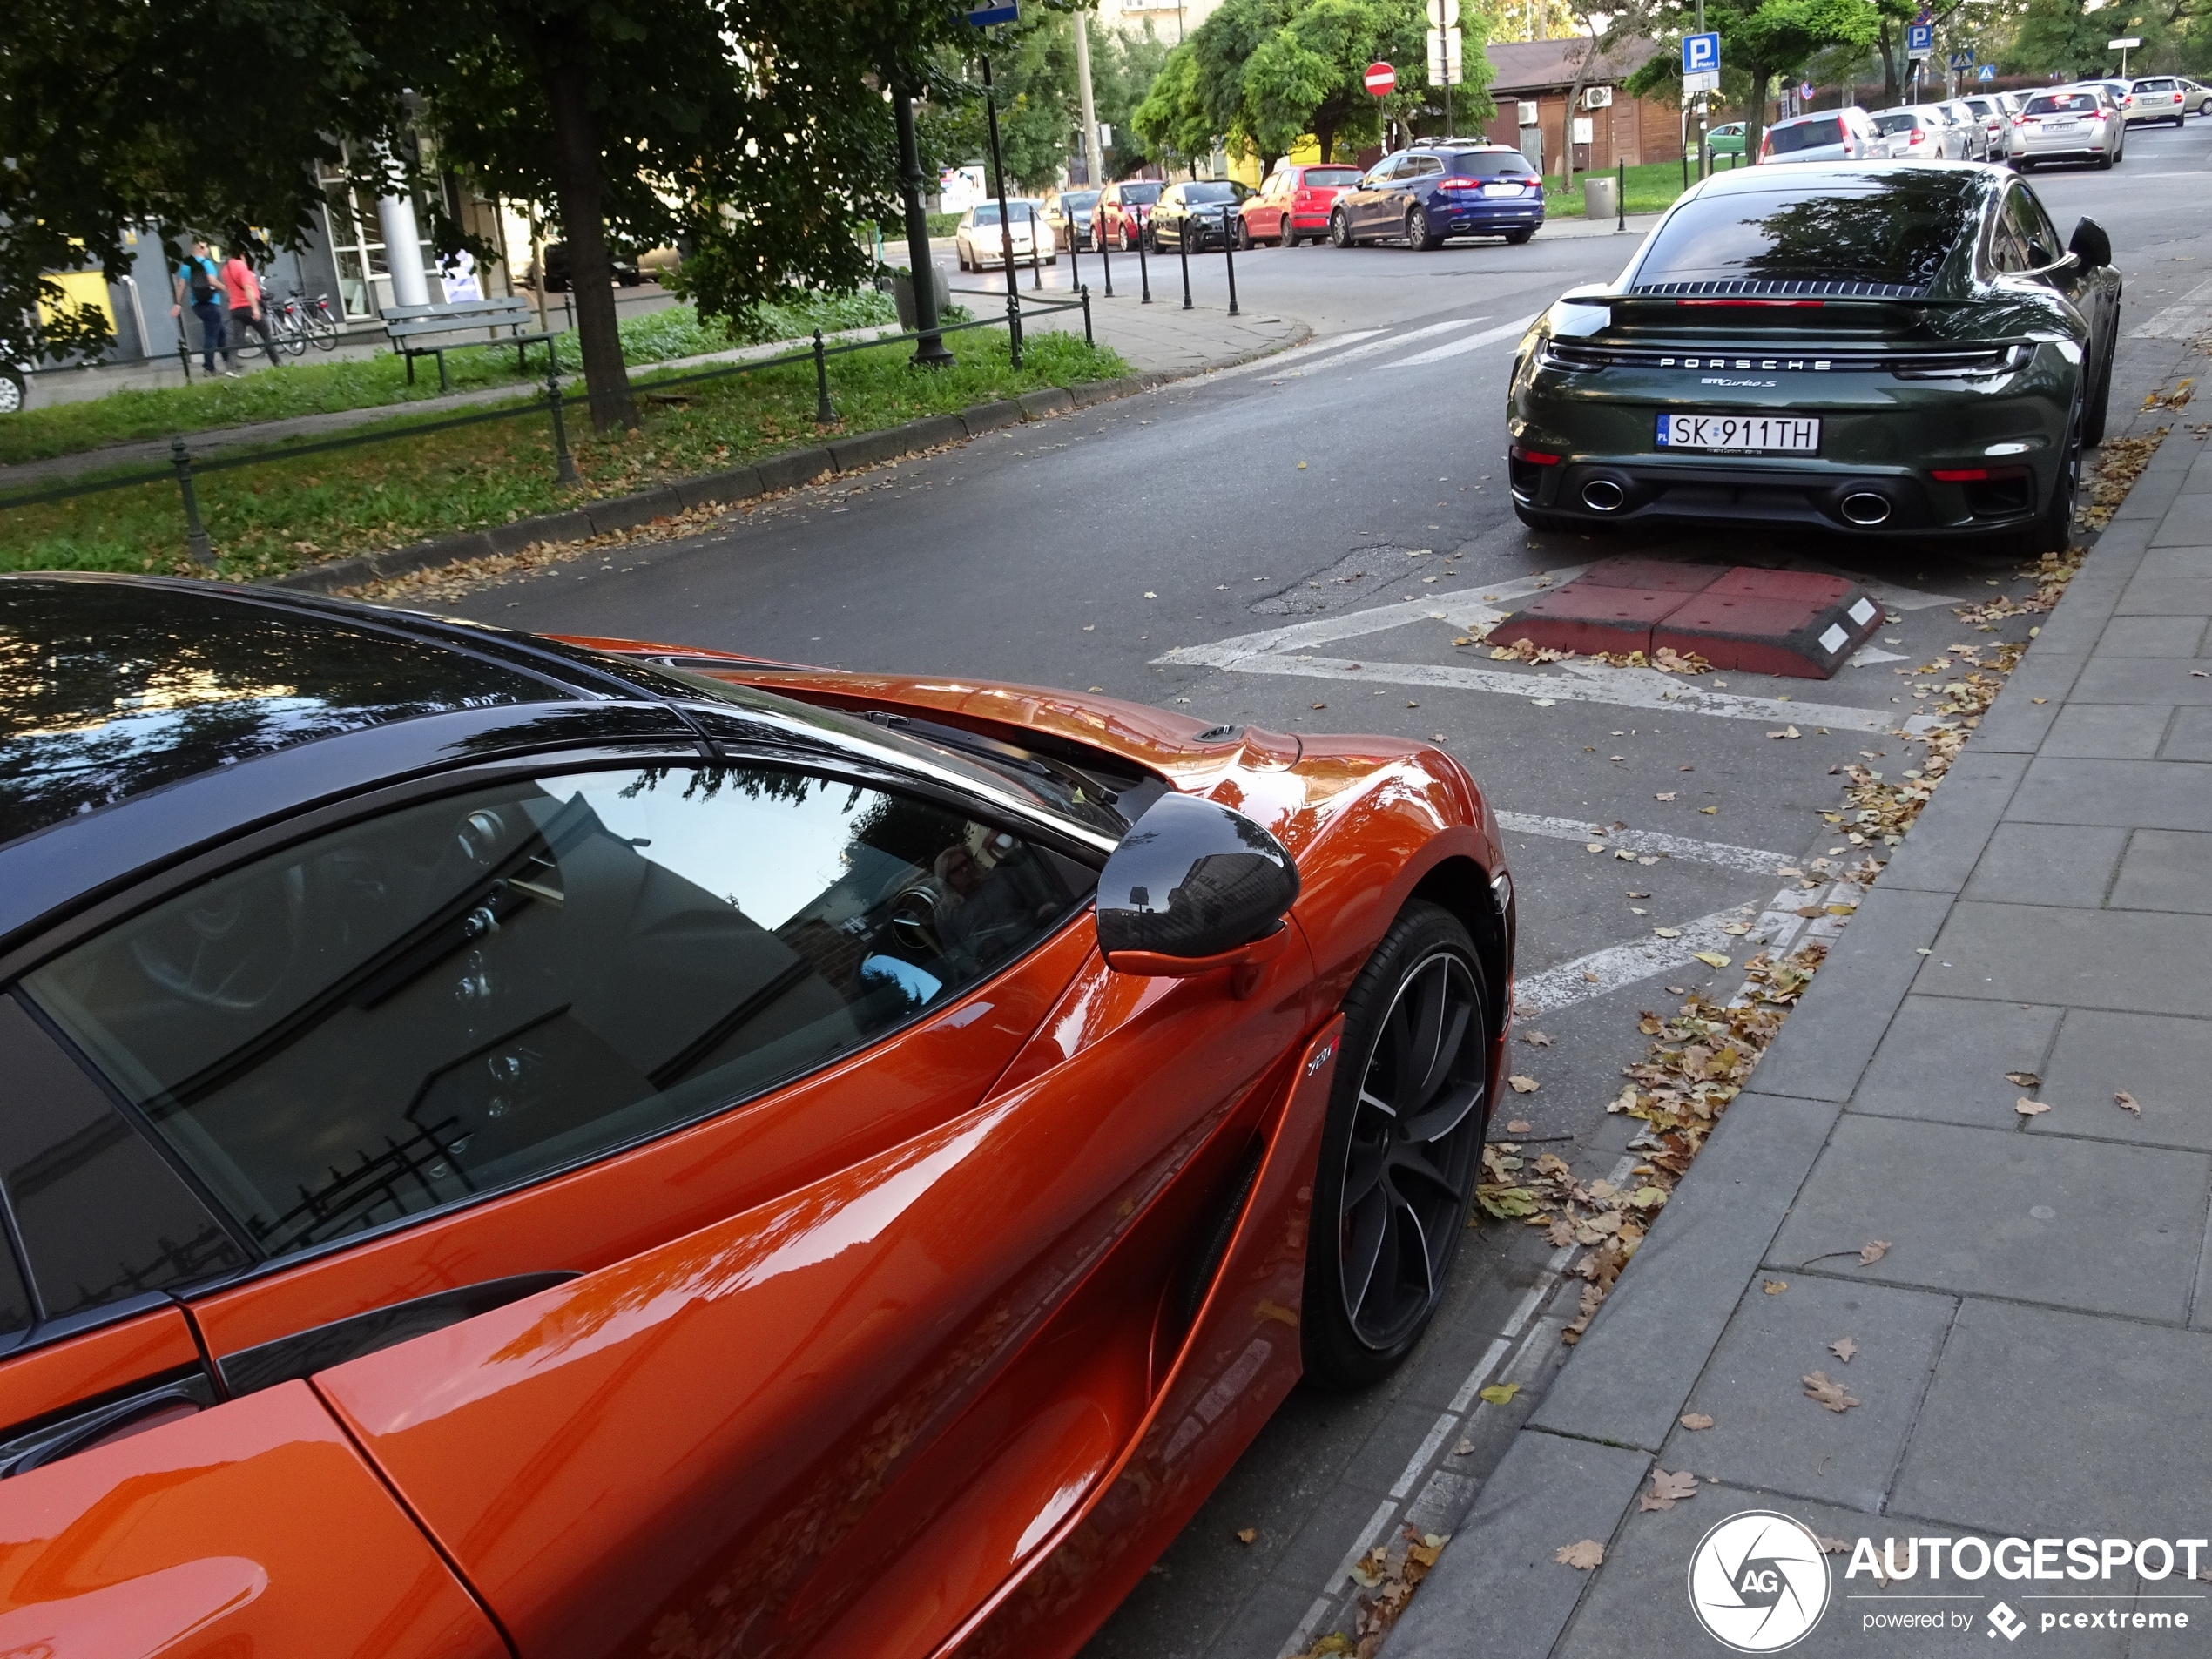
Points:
(572, 1147)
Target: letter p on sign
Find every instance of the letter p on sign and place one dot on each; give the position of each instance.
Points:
(1699, 53)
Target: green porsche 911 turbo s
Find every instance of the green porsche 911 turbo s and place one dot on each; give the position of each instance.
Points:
(1895, 349)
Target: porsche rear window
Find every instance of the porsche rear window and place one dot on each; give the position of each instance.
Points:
(1896, 231)
(1807, 135)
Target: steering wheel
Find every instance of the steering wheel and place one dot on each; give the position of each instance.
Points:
(232, 949)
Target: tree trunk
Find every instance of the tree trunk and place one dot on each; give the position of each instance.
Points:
(1889, 67)
(1566, 134)
(580, 183)
(1325, 135)
(1755, 112)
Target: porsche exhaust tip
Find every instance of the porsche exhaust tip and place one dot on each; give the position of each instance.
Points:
(1865, 508)
(1603, 495)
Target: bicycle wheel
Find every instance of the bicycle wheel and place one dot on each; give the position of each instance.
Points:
(323, 328)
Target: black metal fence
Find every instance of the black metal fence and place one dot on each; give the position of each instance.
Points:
(554, 404)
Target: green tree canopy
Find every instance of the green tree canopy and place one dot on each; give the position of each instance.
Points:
(1761, 39)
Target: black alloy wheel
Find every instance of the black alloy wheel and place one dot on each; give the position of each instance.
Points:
(1401, 1149)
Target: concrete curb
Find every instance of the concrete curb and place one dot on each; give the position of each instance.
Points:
(787, 471)
(1613, 1403)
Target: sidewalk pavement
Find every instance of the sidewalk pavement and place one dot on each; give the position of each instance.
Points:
(2033, 1349)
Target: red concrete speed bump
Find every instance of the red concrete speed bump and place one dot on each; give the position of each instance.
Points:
(1789, 622)
(1587, 619)
(1796, 624)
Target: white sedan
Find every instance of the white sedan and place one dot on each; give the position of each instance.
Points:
(980, 240)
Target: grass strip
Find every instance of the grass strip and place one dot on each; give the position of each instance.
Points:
(316, 384)
(271, 517)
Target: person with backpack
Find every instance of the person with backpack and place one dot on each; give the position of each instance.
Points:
(242, 291)
(199, 283)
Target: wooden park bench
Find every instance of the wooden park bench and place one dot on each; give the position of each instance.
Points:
(503, 321)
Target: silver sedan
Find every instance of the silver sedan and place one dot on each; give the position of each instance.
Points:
(2069, 123)
(1919, 132)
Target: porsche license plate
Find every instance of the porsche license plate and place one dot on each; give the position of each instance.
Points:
(1755, 435)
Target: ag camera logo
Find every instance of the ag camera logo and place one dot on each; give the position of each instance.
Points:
(1758, 1581)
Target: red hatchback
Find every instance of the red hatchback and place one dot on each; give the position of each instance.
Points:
(1123, 212)
(1293, 205)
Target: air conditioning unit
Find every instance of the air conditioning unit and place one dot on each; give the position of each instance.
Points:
(1526, 111)
(1597, 98)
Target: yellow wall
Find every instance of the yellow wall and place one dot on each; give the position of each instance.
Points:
(83, 287)
(1245, 168)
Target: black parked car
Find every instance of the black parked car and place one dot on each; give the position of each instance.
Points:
(626, 273)
(1204, 211)
(1893, 350)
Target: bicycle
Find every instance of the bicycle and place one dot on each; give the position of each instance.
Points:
(286, 324)
(319, 324)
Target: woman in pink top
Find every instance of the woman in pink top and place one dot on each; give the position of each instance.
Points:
(242, 290)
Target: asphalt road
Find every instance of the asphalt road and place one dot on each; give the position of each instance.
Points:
(1354, 489)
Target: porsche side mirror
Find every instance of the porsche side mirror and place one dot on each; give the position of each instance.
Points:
(1192, 888)
(2091, 246)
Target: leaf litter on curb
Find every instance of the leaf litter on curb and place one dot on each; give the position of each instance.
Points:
(1585, 1556)
(2127, 1102)
(1695, 1420)
(1820, 1389)
(1666, 1490)
(1387, 1574)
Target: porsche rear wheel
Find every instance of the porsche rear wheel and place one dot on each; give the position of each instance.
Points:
(1401, 1149)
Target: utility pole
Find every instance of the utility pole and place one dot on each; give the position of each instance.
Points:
(1094, 154)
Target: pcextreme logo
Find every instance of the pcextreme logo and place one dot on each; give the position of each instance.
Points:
(1758, 1581)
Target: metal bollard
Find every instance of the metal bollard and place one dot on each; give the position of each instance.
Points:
(1087, 341)
(1621, 193)
(564, 463)
(195, 533)
(1143, 274)
(1183, 247)
(1014, 329)
(183, 353)
(1037, 263)
(1075, 246)
(824, 415)
(1229, 262)
(1104, 263)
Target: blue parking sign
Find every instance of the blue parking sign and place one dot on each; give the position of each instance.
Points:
(986, 13)
(1920, 39)
(1699, 53)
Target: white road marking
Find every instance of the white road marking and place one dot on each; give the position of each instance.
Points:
(1633, 688)
(1753, 860)
(1461, 609)
(1376, 347)
(1297, 354)
(1488, 337)
(1867, 656)
(1417, 1465)
(2179, 321)
(1617, 966)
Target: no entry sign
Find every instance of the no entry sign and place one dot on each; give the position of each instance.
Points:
(1382, 79)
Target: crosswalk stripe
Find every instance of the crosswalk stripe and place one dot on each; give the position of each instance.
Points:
(2178, 322)
(1375, 348)
(1297, 354)
(1461, 609)
(1753, 860)
(1631, 688)
(1488, 337)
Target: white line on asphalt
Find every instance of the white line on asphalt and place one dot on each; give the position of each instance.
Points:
(1417, 1465)
(1375, 348)
(1488, 337)
(1631, 688)
(2178, 322)
(1867, 656)
(1461, 609)
(1616, 966)
(1362, 1544)
(1755, 860)
(1297, 354)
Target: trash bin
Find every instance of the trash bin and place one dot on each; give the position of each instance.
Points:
(1600, 197)
(902, 293)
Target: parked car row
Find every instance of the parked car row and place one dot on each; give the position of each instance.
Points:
(981, 242)
(2086, 122)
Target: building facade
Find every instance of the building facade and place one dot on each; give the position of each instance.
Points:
(1533, 79)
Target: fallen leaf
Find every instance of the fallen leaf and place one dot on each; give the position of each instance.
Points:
(2024, 1079)
(1667, 933)
(1535, 1039)
(1709, 812)
(2127, 1103)
(1248, 1534)
(1821, 1390)
(1787, 731)
(1500, 1393)
(1584, 1557)
(1775, 1286)
(1695, 1420)
(1874, 1250)
(1320, 705)
(1151, 596)
(1843, 1348)
(1595, 847)
(1668, 1489)
(1519, 1126)
(1712, 957)
(1522, 1085)
(1832, 1546)
(1669, 795)
(1465, 1448)
(2027, 1108)
(1559, 1232)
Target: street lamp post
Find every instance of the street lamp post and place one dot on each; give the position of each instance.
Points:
(929, 350)
(1006, 225)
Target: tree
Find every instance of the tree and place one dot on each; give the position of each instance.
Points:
(1761, 39)
(1258, 74)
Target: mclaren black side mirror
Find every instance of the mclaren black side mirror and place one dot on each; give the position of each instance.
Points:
(1192, 888)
